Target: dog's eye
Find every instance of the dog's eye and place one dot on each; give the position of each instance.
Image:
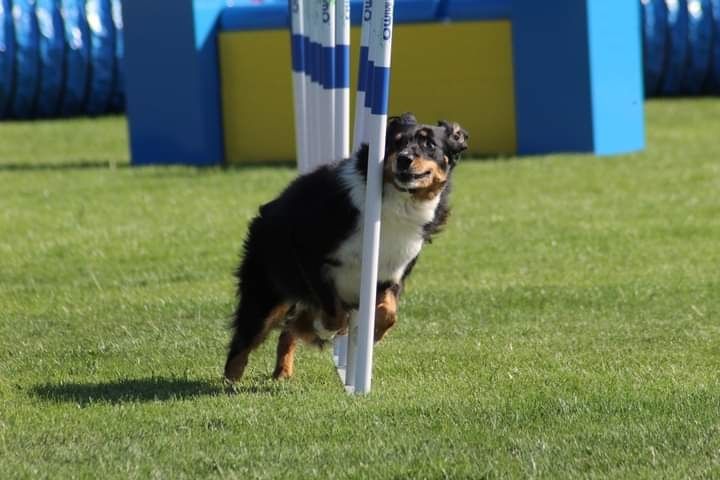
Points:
(430, 145)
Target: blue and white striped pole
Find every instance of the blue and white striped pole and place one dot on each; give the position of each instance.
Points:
(342, 120)
(320, 40)
(297, 39)
(380, 50)
(342, 79)
(311, 83)
(364, 71)
(327, 82)
(360, 136)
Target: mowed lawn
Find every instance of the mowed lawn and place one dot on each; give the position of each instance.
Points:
(565, 325)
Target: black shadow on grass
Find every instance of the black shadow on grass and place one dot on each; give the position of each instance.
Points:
(60, 166)
(255, 164)
(124, 391)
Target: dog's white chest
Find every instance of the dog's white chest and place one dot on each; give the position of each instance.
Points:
(401, 239)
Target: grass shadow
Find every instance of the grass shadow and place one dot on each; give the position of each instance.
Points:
(62, 166)
(259, 164)
(131, 390)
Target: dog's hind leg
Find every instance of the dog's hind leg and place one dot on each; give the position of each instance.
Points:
(285, 355)
(256, 315)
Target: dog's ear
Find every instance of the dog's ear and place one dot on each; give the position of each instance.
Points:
(456, 139)
(397, 125)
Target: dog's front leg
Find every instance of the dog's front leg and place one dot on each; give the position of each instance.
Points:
(385, 311)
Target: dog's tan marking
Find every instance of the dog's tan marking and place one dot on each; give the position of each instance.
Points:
(302, 325)
(385, 313)
(430, 186)
(426, 188)
(284, 365)
(236, 366)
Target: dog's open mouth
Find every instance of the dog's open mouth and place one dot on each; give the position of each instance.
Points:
(408, 179)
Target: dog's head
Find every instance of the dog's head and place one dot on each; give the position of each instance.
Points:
(419, 158)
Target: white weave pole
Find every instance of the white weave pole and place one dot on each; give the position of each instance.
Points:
(363, 73)
(297, 39)
(307, 114)
(313, 103)
(380, 53)
(342, 79)
(327, 81)
(342, 124)
(363, 98)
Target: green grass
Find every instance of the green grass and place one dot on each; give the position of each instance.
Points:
(566, 324)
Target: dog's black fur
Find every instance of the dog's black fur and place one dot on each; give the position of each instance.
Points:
(295, 247)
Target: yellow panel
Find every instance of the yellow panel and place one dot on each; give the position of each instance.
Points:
(454, 71)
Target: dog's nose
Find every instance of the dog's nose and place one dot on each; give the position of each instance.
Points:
(403, 162)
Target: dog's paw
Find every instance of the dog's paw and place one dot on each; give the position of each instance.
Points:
(235, 367)
(282, 373)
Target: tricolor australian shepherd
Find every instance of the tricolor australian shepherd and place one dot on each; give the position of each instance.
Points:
(301, 268)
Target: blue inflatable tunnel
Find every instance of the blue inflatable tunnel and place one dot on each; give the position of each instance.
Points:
(117, 99)
(700, 37)
(654, 14)
(7, 56)
(102, 55)
(714, 76)
(677, 50)
(27, 64)
(52, 57)
(77, 57)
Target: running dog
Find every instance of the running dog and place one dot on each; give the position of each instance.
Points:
(303, 253)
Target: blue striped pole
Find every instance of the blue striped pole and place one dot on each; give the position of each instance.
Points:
(360, 136)
(311, 50)
(342, 79)
(362, 97)
(327, 82)
(342, 121)
(363, 72)
(297, 38)
(380, 53)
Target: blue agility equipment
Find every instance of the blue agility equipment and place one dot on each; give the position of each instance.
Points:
(7, 56)
(587, 94)
(700, 33)
(379, 56)
(713, 81)
(117, 99)
(102, 55)
(565, 91)
(677, 50)
(654, 43)
(77, 57)
(52, 57)
(172, 81)
(27, 61)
